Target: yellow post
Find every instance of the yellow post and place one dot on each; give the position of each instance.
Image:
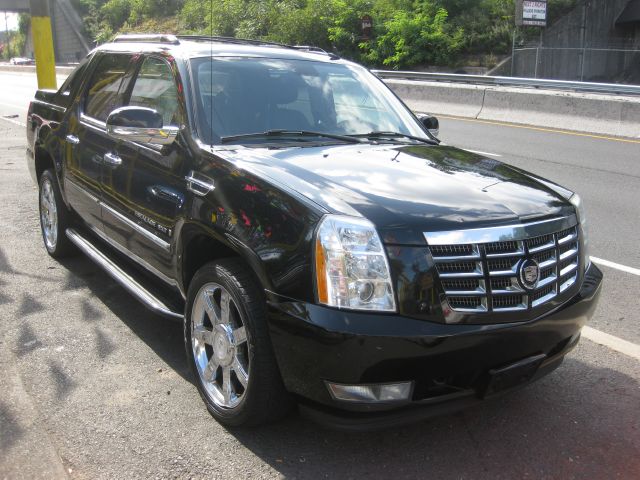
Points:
(43, 43)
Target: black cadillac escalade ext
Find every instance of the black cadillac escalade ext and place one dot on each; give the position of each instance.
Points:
(320, 244)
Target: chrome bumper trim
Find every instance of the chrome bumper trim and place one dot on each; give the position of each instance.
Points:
(501, 234)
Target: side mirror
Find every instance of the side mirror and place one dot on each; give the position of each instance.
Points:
(139, 124)
(430, 122)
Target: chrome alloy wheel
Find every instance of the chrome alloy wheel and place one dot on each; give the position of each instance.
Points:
(48, 214)
(220, 347)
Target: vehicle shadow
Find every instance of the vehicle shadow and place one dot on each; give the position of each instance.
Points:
(11, 431)
(164, 336)
(579, 422)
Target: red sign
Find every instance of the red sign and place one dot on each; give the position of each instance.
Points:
(367, 26)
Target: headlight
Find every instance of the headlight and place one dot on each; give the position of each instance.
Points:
(576, 201)
(352, 270)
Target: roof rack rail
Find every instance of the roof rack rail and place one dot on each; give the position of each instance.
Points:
(239, 41)
(246, 41)
(147, 38)
(175, 40)
(313, 49)
(310, 48)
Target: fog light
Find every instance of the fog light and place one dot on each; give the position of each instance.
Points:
(382, 392)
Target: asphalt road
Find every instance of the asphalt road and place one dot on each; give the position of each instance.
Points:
(95, 386)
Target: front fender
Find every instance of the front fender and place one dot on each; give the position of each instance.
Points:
(218, 245)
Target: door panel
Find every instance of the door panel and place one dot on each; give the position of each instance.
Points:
(145, 194)
(83, 174)
(86, 138)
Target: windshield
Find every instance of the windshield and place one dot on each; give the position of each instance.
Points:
(240, 96)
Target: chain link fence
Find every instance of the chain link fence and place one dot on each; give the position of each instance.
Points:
(609, 65)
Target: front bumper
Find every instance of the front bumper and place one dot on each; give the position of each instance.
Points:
(449, 364)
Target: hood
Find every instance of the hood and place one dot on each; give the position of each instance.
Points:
(407, 189)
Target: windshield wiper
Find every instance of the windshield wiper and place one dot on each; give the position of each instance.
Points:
(289, 133)
(395, 135)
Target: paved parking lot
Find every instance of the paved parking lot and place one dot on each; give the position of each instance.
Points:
(95, 386)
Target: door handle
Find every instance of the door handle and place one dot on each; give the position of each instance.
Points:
(112, 159)
(199, 184)
(166, 194)
(72, 139)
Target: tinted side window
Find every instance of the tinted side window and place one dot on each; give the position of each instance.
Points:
(73, 81)
(108, 86)
(155, 88)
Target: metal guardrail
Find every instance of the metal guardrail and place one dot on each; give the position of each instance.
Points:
(60, 70)
(611, 88)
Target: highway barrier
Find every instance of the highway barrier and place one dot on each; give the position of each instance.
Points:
(458, 100)
(60, 70)
(564, 85)
(583, 112)
(595, 113)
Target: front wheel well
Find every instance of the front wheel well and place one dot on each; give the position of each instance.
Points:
(201, 250)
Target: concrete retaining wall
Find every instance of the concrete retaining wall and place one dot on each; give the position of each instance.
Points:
(69, 43)
(583, 112)
(591, 24)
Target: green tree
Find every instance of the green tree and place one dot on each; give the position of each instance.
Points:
(407, 33)
(303, 23)
(415, 38)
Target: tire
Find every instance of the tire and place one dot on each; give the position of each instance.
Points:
(230, 354)
(55, 217)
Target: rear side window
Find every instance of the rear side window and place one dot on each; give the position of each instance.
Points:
(108, 86)
(73, 81)
(155, 88)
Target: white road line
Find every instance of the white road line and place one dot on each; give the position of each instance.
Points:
(483, 153)
(14, 121)
(617, 266)
(614, 343)
(13, 105)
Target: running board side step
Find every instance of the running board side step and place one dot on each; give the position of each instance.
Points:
(120, 276)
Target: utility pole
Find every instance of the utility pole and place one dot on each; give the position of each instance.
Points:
(513, 51)
(583, 41)
(43, 43)
(6, 35)
(538, 54)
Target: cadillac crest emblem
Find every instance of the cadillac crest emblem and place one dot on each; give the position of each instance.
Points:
(529, 273)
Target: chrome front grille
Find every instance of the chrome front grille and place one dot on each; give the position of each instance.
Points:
(484, 276)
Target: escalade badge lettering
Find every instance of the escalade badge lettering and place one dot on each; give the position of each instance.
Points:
(529, 273)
